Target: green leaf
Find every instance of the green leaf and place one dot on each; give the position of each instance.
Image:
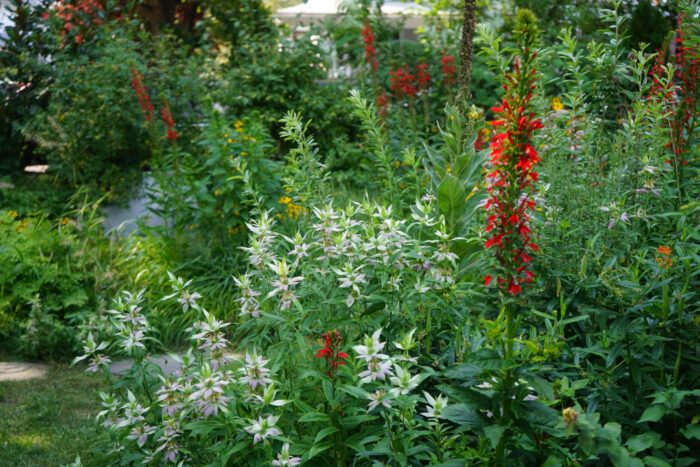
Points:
(463, 415)
(316, 450)
(314, 417)
(325, 432)
(641, 442)
(487, 359)
(655, 462)
(542, 386)
(691, 431)
(450, 194)
(653, 414)
(494, 433)
(462, 371)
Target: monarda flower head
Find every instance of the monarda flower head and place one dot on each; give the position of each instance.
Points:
(513, 158)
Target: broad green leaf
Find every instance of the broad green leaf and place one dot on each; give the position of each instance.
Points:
(314, 417)
(494, 433)
(463, 415)
(691, 431)
(653, 414)
(462, 371)
(325, 432)
(641, 442)
(450, 194)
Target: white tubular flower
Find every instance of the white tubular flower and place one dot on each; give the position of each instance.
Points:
(379, 397)
(284, 459)
(256, 374)
(403, 381)
(376, 369)
(435, 407)
(283, 281)
(371, 348)
(263, 428)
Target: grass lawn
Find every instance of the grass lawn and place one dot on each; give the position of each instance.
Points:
(48, 421)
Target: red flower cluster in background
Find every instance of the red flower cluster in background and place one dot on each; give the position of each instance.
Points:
(403, 83)
(448, 69)
(168, 120)
(370, 50)
(382, 104)
(331, 352)
(423, 76)
(680, 101)
(74, 14)
(513, 159)
(142, 93)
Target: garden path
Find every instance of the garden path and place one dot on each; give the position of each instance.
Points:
(166, 363)
(19, 371)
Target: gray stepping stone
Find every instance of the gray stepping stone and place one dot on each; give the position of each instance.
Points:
(166, 363)
(18, 371)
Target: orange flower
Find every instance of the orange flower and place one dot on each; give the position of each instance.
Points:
(664, 250)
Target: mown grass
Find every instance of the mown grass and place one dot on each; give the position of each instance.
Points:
(48, 421)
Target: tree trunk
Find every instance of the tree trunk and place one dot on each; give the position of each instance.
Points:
(466, 51)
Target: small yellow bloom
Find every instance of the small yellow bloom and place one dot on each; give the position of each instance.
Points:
(244, 154)
(230, 140)
(65, 221)
(570, 415)
(217, 192)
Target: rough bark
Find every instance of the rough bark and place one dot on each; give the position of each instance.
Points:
(466, 51)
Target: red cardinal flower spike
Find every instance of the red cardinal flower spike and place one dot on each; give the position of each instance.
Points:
(510, 182)
(331, 353)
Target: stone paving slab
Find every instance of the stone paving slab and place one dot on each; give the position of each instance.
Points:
(166, 363)
(18, 371)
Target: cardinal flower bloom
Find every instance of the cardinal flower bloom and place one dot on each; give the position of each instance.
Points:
(510, 204)
(331, 353)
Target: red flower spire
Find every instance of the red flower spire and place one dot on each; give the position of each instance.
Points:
(331, 352)
(168, 120)
(370, 51)
(423, 76)
(511, 180)
(403, 83)
(448, 69)
(141, 93)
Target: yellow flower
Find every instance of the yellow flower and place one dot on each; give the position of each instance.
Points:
(284, 200)
(13, 213)
(65, 221)
(570, 415)
(230, 140)
(217, 192)
(244, 154)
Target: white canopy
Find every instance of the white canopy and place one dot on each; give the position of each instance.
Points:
(316, 10)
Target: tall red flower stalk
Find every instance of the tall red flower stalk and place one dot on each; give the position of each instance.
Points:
(370, 50)
(168, 120)
(331, 353)
(423, 77)
(680, 99)
(141, 93)
(511, 181)
(403, 83)
(448, 69)
(382, 104)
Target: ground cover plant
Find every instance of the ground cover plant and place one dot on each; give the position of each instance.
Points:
(481, 247)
